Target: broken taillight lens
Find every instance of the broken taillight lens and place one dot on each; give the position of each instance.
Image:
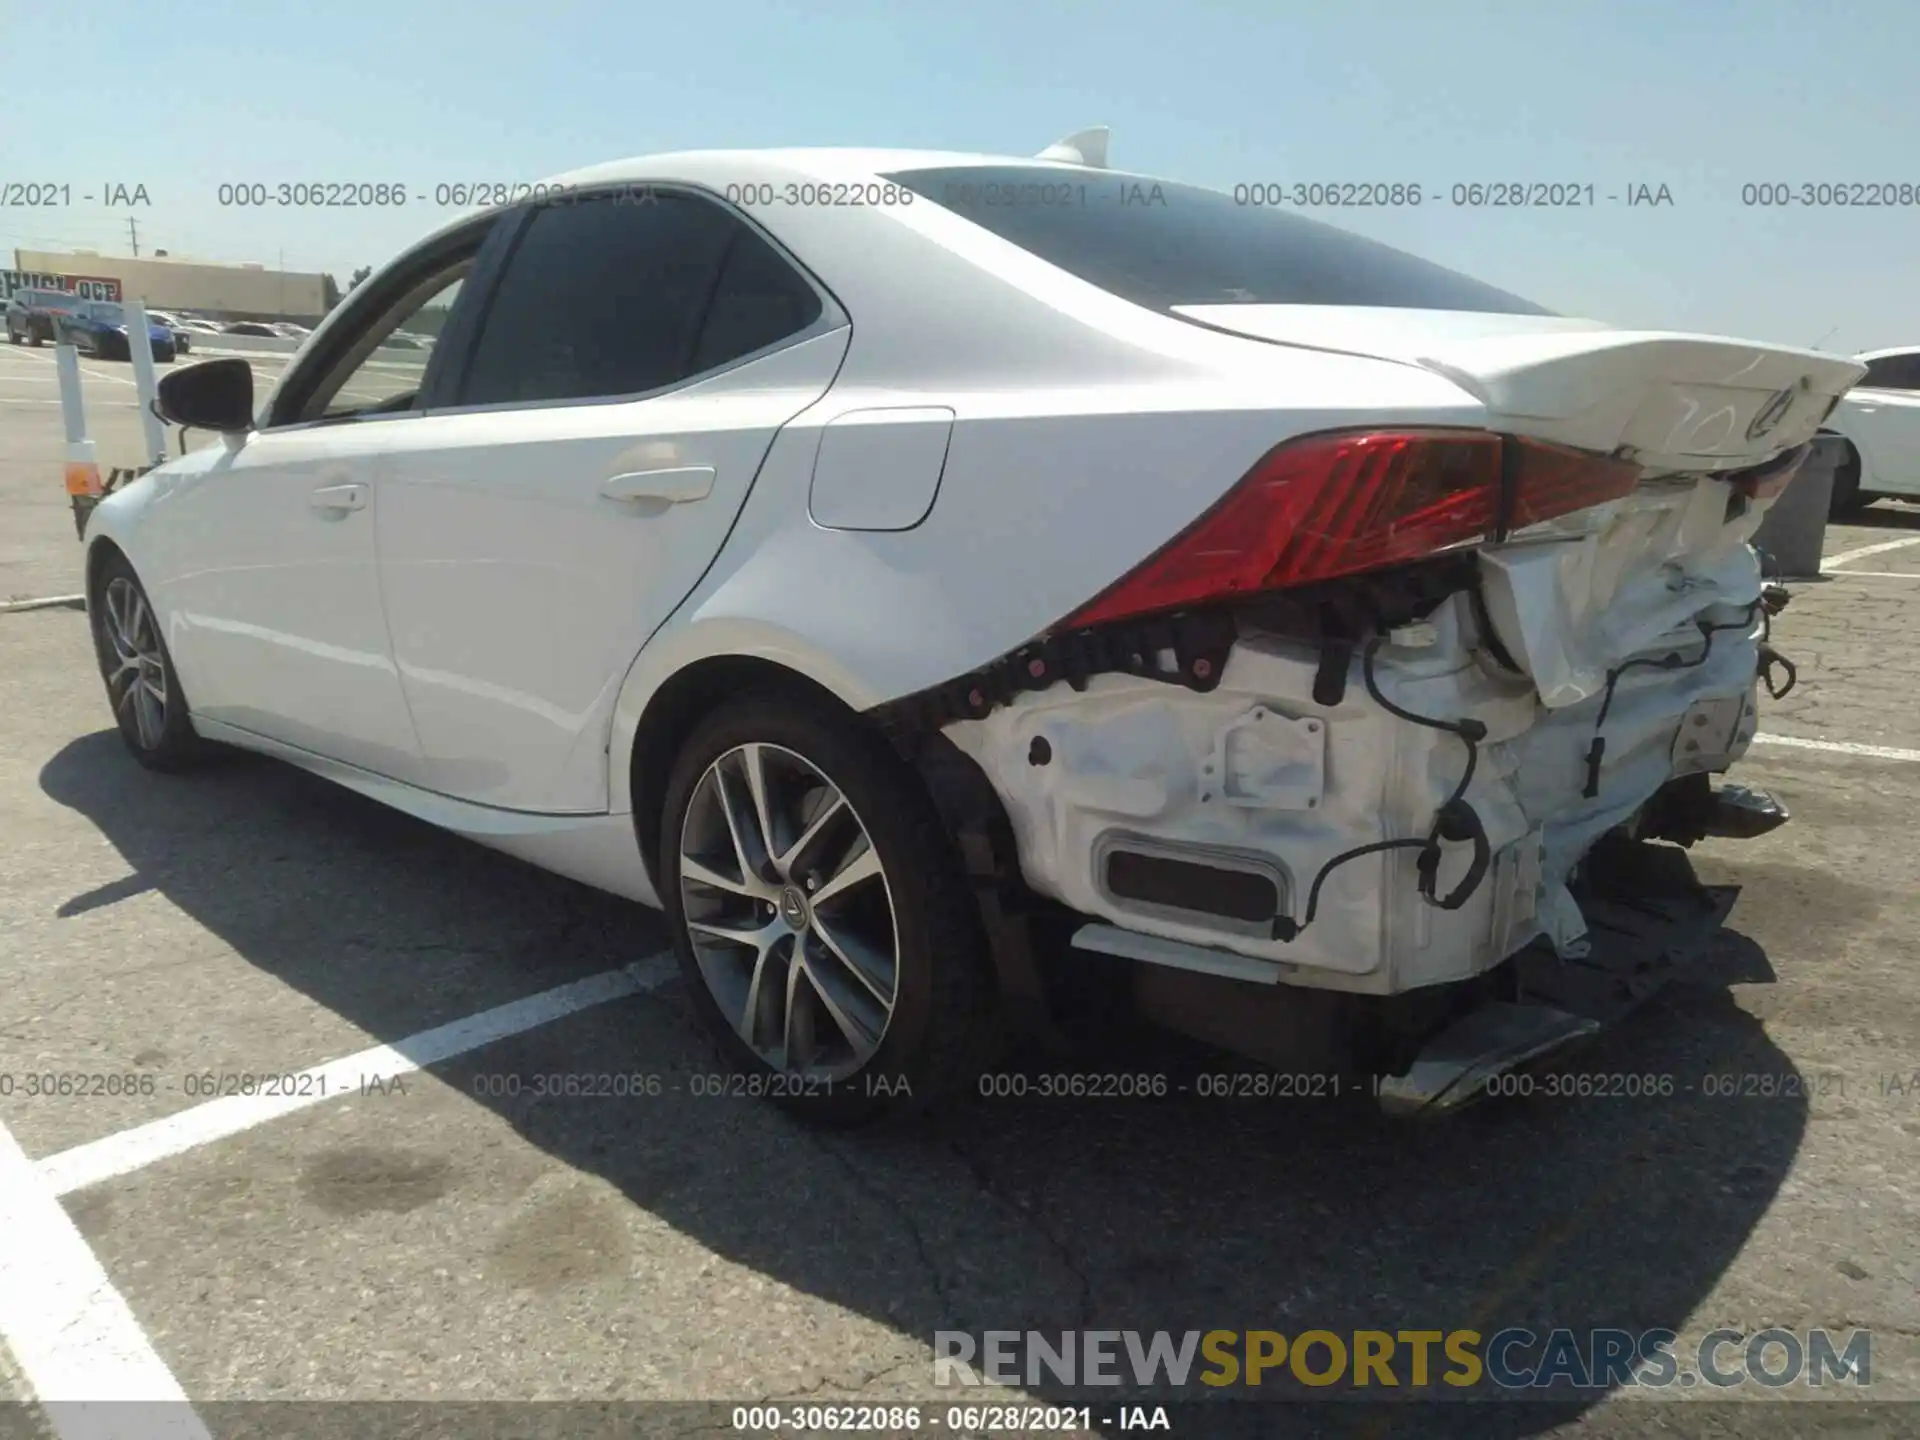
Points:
(1339, 504)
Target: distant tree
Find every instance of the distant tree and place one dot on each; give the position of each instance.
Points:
(359, 275)
(329, 291)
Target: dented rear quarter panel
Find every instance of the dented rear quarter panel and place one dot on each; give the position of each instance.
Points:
(1571, 603)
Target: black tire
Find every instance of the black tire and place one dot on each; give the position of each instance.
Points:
(944, 1024)
(13, 336)
(133, 654)
(1847, 500)
(33, 337)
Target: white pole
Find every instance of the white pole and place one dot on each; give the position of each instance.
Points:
(145, 386)
(66, 362)
(78, 461)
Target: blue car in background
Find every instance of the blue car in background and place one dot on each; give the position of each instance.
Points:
(33, 315)
(182, 337)
(99, 327)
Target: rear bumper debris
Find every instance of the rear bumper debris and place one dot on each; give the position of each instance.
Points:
(1650, 921)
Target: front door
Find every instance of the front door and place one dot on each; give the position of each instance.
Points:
(269, 566)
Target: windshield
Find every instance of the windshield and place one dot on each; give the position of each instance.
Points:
(1162, 244)
(104, 310)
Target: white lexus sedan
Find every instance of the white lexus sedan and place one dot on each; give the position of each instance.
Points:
(876, 558)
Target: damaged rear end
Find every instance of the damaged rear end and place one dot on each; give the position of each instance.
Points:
(1377, 754)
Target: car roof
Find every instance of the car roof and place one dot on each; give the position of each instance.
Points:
(720, 168)
(1890, 351)
(819, 162)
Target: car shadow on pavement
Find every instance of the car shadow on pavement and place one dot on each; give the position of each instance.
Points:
(1037, 1214)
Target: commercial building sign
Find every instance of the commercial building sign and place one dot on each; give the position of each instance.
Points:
(85, 287)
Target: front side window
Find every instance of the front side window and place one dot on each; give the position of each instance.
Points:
(610, 296)
(1162, 245)
(387, 378)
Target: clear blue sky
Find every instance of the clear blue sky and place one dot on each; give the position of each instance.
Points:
(1700, 95)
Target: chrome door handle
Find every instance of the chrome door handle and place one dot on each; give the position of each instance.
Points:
(339, 499)
(675, 487)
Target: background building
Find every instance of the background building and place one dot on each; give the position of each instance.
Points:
(227, 292)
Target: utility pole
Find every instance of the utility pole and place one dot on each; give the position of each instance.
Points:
(133, 231)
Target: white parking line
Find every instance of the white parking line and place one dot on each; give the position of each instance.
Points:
(70, 1332)
(97, 374)
(1829, 561)
(130, 1150)
(1837, 575)
(1839, 747)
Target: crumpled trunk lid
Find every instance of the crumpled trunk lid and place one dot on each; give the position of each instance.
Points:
(1668, 400)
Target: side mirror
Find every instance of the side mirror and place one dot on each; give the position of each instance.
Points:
(213, 395)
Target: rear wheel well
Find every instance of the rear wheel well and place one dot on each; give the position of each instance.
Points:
(673, 712)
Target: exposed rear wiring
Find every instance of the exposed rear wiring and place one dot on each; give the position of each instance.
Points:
(1455, 820)
(1673, 660)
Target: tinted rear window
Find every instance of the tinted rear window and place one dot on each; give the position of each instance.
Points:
(1161, 244)
(759, 301)
(600, 298)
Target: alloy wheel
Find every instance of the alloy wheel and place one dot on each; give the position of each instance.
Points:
(137, 677)
(789, 912)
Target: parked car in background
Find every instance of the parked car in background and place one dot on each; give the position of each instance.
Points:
(101, 328)
(182, 337)
(1879, 419)
(251, 327)
(286, 329)
(1290, 620)
(32, 315)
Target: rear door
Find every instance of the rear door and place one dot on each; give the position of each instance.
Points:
(611, 405)
(1882, 418)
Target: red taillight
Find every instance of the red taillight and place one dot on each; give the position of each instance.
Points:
(1331, 505)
